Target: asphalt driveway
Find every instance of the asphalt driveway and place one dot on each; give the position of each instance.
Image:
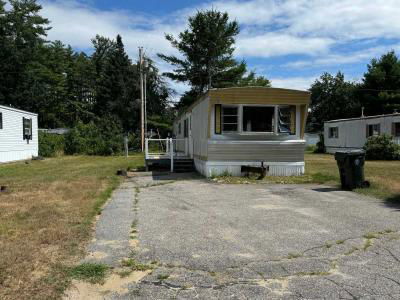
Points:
(264, 241)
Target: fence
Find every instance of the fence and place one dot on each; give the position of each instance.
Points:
(166, 149)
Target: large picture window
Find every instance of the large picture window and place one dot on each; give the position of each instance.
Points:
(258, 119)
(230, 119)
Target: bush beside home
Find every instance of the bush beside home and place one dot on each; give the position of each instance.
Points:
(100, 138)
(51, 145)
(381, 147)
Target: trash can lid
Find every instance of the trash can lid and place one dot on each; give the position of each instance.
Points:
(351, 152)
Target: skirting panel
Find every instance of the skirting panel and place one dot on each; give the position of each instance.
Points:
(233, 168)
(17, 155)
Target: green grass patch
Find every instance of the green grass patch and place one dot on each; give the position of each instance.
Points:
(293, 255)
(93, 273)
(162, 277)
(136, 266)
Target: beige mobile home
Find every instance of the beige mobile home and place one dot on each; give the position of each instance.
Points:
(353, 133)
(233, 127)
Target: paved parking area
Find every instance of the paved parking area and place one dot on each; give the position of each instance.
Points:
(219, 241)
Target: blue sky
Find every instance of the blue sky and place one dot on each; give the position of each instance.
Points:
(291, 42)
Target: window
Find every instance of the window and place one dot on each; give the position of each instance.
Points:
(27, 129)
(373, 129)
(396, 129)
(1, 120)
(333, 132)
(185, 128)
(258, 119)
(287, 119)
(229, 119)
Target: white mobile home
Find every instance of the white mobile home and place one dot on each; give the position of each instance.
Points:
(353, 133)
(18, 134)
(229, 128)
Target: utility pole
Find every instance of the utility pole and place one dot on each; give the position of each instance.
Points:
(145, 64)
(141, 95)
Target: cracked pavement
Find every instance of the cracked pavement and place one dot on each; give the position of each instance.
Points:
(263, 241)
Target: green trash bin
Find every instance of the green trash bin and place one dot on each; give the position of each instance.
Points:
(351, 169)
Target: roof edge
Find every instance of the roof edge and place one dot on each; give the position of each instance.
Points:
(18, 110)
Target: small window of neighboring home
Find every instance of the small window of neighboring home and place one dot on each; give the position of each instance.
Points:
(230, 119)
(1, 120)
(287, 119)
(179, 128)
(333, 132)
(27, 129)
(396, 129)
(258, 118)
(373, 129)
(185, 128)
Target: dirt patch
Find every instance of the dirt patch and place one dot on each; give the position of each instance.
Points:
(114, 284)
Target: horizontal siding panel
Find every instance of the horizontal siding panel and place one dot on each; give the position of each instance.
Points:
(257, 152)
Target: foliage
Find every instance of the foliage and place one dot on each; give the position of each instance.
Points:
(380, 92)
(381, 147)
(207, 50)
(94, 273)
(320, 146)
(331, 98)
(66, 87)
(51, 145)
(101, 138)
(252, 80)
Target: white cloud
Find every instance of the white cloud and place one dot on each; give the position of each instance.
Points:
(298, 83)
(348, 58)
(279, 44)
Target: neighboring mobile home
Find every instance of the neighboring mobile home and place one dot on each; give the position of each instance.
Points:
(353, 133)
(18, 134)
(233, 127)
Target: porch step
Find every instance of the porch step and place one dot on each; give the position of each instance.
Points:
(184, 165)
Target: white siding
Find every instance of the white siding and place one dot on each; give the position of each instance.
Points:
(12, 145)
(200, 128)
(352, 133)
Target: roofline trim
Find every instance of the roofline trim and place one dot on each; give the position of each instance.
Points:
(18, 110)
(363, 118)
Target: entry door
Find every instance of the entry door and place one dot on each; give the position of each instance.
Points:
(190, 139)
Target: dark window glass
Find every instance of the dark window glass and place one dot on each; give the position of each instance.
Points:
(333, 132)
(1, 120)
(258, 119)
(374, 129)
(185, 128)
(287, 119)
(397, 129)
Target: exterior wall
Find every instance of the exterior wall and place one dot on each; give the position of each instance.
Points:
(199, 129)
(12, 145)
(272, 151)
(352, 133)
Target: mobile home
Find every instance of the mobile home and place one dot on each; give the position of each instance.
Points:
(229, 128)
(353, 133)
(18, 134)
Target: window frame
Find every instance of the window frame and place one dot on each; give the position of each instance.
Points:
(238, 129)
(330, 132)
(371, 126)
(396, 132)
(27, 124)
(1, 120)
(274, 120)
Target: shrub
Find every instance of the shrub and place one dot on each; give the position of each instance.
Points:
(51, 145)
(320, 147)
(101, 138)
(381, 147)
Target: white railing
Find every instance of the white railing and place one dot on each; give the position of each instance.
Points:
(166, 149)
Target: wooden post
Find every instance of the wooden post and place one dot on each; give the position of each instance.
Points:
(126, 145)
(146, 153)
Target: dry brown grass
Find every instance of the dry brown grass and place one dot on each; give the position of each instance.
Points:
(46, 217)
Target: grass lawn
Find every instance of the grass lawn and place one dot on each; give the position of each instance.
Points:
(46, 216)
(384, 176)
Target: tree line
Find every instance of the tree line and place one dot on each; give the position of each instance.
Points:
(66, 87)
(378, 92)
